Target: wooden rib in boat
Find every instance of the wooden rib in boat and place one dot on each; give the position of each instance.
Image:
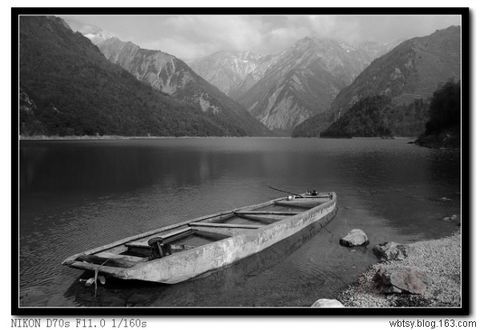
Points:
(266, 213)
(224, 225)
(262, 218)
(204, 244)
(302, 202)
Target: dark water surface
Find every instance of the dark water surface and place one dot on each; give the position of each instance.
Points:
(76, 195)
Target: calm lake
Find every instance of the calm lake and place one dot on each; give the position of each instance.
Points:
(76, 195)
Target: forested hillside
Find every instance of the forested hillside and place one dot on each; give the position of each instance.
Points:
(69, 88)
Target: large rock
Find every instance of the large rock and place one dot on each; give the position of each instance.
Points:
(390, 251)
(327, 303)
(356, 237)
(401, 280)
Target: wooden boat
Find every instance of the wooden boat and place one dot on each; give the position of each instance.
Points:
(185, 250)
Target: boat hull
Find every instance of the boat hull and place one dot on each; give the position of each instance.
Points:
(189, 264)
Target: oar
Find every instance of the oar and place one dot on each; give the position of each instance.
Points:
(284, 191)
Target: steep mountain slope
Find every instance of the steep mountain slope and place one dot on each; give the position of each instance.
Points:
(376, 116)
(411, 71)
(172, 76)
(233, 72)
(69, 88)
(303, 81)
(370, 116)
(376, 49)
(314, 126)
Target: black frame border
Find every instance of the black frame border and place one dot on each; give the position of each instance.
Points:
(466, 190)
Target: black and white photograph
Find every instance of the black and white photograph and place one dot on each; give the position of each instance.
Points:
(246, 161)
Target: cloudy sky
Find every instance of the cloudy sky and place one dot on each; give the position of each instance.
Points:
(190, 37)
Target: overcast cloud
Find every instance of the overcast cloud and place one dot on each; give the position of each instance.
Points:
(189, 37)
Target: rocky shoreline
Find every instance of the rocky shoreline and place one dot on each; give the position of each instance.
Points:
(429, 273)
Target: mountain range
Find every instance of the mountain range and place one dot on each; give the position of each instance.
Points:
(91, 82)
(410, 72)
(279, 90)
(284, 89)
(68, 87)
(233, 72)
(172, 76)
(302, 82)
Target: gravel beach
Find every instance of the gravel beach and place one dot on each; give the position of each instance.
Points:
(439, 260)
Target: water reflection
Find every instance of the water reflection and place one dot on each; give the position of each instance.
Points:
(79, 194)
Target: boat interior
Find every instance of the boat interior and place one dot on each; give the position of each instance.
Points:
(194, 233)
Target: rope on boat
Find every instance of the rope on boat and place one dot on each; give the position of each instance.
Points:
(95, 281)
(95, 278)
(284, 191)
(96, 275)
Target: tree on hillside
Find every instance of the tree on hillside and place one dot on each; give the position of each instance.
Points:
(444, 109)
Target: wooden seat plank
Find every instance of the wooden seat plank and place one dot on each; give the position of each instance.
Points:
(224, 225)
(112, 256)
(267, 212)
(174, 235)
(98, 260)
(305, 203)
(264, 218)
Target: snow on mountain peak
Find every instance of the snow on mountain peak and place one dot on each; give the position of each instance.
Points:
(92, 32)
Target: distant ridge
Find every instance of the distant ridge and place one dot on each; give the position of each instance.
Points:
(172, 76)
(410, 72)
(233, 72)
(303, 81)
(286, 88)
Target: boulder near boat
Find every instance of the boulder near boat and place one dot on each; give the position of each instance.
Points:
(182, 251)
